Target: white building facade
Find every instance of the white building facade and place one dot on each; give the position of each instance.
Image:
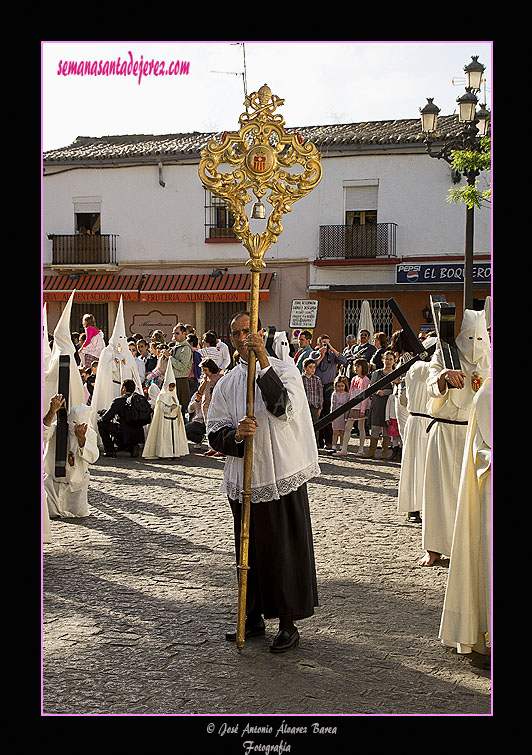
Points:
(128, 216)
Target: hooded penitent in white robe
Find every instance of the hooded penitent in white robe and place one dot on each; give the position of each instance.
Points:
(46, 356)
(466, 616)
(415, 438)
(445, 447)
(166, 436)
(68, 496)
(115, 364)
(285, 454)
(63, 345)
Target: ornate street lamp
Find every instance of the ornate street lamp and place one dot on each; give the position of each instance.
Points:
(429, 116)
(473, 72)
(261, 155)
(467, 105)
(475, 126)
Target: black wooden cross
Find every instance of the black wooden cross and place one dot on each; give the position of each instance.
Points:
(63, 387)
(419, 352)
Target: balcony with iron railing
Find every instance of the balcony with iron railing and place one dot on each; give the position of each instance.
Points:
(345, 242)
(83, 249)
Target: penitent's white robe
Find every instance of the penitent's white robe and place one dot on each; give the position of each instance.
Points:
(445, 447)
(466, 616)
(166, 436)
(415, 439)
(68, 496)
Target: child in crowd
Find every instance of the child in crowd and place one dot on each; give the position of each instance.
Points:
(392, 426)
(340, 396)
(313, 389)
(359, 413)
(166, 437)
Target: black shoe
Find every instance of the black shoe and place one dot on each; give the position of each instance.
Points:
(252, 630)
(413, 516)
(110, 454)
(284, 641)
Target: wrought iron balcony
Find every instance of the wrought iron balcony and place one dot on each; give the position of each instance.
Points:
(356, 241)
(83, 249)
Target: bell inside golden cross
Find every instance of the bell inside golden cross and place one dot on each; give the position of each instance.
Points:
(259, 211)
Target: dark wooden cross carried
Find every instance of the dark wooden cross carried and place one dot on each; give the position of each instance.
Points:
(63, 387)
(443, 315)
(418, 351)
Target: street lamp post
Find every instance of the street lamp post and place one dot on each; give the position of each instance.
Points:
(475, 127)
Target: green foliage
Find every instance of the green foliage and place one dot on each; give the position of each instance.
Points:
(467, 161)
(469, 195)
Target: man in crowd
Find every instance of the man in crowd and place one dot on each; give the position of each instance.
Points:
(305, 348)
(181, 356)
(328, 360)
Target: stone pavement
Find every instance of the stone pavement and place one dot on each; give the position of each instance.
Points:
(138, 596)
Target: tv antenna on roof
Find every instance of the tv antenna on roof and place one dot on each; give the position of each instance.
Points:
(239, 73)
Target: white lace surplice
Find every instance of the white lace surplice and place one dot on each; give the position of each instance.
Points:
(285, 454)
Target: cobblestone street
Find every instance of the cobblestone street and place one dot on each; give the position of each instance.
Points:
(138, 596)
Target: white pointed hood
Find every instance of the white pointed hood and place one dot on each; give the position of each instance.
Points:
(473, 340)
(281, 346)
(169, 376)
(63, 345)
(107, 383)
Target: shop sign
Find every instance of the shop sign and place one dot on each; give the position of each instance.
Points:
(193, 296)
(304, 313)
(442, 273)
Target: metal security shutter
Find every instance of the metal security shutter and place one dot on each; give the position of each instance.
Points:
(361, 197)
(381, 315)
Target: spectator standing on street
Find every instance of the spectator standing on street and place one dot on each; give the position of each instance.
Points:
(141, 364)
(339, 397)
(378, 409)
(399, 345)
(313, 390)
(347, 369)
(380, 342)
(363, 349)
(199, 403)
(305, 349)
(195, 373)
(209, 349)
(224, 348)
(327, 359)
(182, 359)
(359, 413)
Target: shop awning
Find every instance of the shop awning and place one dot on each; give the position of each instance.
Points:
(231, 287)
(99, 288)
(196, 288)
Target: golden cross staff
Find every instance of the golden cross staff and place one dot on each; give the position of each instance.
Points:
(261, 154)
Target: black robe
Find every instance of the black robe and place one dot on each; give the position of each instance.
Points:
(281, 579)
